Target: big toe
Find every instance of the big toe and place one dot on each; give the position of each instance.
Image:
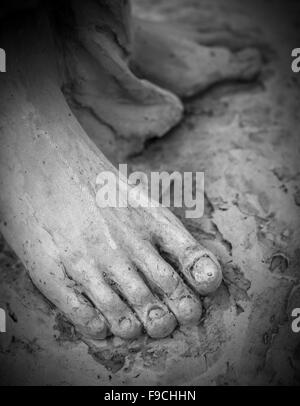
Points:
(206, 274)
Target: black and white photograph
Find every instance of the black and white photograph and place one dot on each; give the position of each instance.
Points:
(150, 195)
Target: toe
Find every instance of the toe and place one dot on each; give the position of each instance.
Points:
(197, 264)
(203, 270)
(169, 285)
(245, 64)
(156, 318)
(119, 317)
(161, 322)
(94, 328)
(54, 283)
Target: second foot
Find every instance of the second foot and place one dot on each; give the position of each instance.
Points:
(102, 90)
(171, 57)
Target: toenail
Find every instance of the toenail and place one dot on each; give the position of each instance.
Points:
(96, 324)
(207, 273)
(156, 313)
(184, 303)
(203, 268)
(125, 324)
(127, 327)
(97, 328)
(161, 322)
